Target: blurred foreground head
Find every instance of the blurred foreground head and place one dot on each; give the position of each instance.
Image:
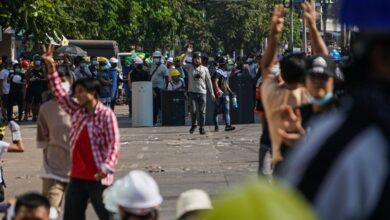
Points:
(371, 46)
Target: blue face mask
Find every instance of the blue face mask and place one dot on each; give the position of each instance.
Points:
(37, 62)
(321, 101)
(276, 70)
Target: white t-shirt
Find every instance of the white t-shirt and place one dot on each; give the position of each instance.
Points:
(4, 76)
(3, 148)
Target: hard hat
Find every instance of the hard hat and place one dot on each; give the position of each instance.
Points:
(157, 53)
(196, 54)
(261, 200)
(25, 64)
(138, 60)
(174, 72)
(192, 200)
(101, 59)
(189, 60)
(137, 192)
(86, 59)
(113, 60)
(372, 15)
(170, 60)
(335, 55)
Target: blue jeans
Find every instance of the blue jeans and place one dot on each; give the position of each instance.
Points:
(222, 106)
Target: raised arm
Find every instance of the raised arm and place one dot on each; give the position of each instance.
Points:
(63, 98)
(317, 42)
(269, 56)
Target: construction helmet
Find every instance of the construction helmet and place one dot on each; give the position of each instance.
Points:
(113, 60)
(192, 200)
(174, 72)
(137, 192)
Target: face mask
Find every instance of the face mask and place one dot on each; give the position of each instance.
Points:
(66, 86)
(276, 70)
(17, 70)
(320, 101)
(38, 62)
(95, 62)
(156, 60)
(83, 65)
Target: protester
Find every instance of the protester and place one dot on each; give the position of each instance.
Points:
(160, 78)
(106, 83)
(192, 204)
(199, 81)
(127, 68)
(138, 74)
(5, 86)
(81, 68)
(35, 80)
(280, 85)
(114, 72)
(94, 139)
(94, 67)
(183, 73)
(134, 197)
(17, 82)
(223, 92)
(170, 63)
(32, 206)
(342, 168)
(176, 82)
(53, 128)
(16, 146)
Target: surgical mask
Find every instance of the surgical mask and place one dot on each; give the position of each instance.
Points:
(83, 65)
(66, 86)
(18, 70)
(37, 62)
(156, 60)
(95, 62)
(321, 101)
(275, 70)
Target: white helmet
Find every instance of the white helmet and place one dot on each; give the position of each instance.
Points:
(137, 192)
(192, 200)
(138, 60)
(113, 60)
(157, 53)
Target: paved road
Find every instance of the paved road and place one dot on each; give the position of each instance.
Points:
(177, 160)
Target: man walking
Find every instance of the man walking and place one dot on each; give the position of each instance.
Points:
(160, 78)
(199, 81)
(53, 127)
(94, 139)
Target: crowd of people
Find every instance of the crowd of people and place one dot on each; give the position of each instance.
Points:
(325, 127)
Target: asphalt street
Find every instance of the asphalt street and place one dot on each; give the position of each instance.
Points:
(177, 160)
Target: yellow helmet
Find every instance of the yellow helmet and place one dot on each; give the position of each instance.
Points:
(101, 59)
(174, 72)
(261, 200)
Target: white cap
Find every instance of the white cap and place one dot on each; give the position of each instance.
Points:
(157, 53)
(138, 60)
(137, 192)
(113, 60)
(192, 200)
(170, 60)
(188, 60)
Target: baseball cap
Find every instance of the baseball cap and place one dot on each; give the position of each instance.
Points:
(320, 65)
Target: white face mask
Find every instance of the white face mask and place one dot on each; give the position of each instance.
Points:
(66, 86)
(276, 70)
(156, 60)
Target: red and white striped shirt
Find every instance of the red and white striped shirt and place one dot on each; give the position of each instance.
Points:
(102, 127)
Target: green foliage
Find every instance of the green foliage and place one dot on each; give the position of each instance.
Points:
(165, 24)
